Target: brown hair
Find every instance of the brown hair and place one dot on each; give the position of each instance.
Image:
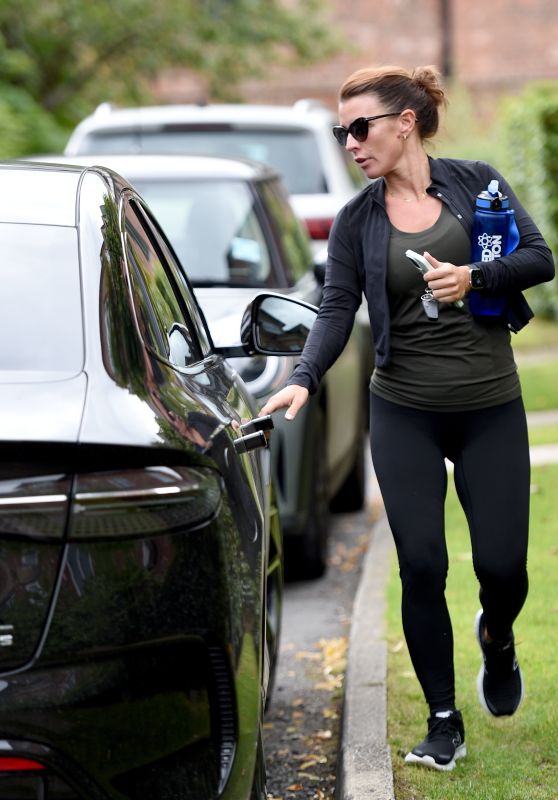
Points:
(398, 88)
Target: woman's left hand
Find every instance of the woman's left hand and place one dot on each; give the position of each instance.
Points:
(447, 281)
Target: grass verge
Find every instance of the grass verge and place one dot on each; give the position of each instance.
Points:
(537, 335)
(508, 759)
(536, 351)
(544, 434)
(539, 384)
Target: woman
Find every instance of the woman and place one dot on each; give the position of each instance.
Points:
(441, 388)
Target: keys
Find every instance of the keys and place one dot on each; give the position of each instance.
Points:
(430, 305)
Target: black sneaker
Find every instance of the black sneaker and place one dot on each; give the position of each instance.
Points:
(444, 743)
(499, 682)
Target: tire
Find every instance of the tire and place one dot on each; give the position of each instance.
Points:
(352, 494)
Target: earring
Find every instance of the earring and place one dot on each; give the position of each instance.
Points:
(404, 137)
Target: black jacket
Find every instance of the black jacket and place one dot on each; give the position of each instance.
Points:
(357, 262)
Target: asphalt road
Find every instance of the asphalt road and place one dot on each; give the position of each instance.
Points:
(303, 720)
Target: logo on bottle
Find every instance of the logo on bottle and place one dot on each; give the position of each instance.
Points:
(491, 246)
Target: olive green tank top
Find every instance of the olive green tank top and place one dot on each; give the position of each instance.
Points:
(456, 363)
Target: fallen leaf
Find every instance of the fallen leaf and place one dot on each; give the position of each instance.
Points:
(312, 761)
(295, 787)
(309, 655)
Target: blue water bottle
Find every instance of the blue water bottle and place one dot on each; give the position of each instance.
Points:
(495, 234)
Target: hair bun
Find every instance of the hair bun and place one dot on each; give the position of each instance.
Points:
(428, 78)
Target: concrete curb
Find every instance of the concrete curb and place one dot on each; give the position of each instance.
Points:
(364, 760)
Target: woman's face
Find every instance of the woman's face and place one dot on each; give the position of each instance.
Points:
(381, 152)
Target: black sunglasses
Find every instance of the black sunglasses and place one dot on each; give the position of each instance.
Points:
(358, 128)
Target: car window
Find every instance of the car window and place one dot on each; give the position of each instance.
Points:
(196, 318)
(160, 312)
(41, 329)
(293, 152)
(214, 229)
(291, 236)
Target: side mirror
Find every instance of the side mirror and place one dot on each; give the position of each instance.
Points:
(274, 325)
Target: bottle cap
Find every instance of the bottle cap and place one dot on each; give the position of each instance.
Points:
(492, 199)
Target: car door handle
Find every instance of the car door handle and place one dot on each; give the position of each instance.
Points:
(264, 423)
(243, 444)
(255, 433)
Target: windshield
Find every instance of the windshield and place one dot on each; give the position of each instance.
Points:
(213, 228)
(291, 151)
(40, 301)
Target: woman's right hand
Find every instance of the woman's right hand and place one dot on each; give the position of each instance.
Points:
(291, 397)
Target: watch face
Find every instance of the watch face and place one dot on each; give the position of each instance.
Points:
(477, 279)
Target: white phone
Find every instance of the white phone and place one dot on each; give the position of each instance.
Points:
(423, 266)
(419, 261)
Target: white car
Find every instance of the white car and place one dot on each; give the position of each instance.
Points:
(296, 140)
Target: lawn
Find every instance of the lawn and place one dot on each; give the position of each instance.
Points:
(539, 384)
(539, 334)
(536, 353)
(508, 759)
(544, 434)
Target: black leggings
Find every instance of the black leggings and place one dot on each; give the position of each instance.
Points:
(490, 452)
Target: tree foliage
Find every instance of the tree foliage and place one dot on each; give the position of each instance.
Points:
(65, 56)
(530, 145)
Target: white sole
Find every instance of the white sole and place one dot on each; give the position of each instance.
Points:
(428, 761)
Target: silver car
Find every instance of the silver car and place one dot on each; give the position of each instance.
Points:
(319, 175)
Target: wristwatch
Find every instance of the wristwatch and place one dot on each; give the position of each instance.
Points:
(476, 278)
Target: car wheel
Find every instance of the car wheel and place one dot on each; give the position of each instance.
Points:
(352, 494)
(259, 790)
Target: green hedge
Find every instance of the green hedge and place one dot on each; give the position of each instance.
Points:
(530, 163)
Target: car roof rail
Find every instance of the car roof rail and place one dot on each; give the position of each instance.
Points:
(103, 110)
(309, 104)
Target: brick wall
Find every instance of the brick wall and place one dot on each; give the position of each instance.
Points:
(495, 46)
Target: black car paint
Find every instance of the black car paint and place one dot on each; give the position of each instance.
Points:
(142, 657)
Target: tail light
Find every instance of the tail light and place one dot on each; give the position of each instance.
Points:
(143, 502)
(15, 764)
(319, 228)
(34, 506)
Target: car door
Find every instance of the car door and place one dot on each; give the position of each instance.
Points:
(173, 327)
